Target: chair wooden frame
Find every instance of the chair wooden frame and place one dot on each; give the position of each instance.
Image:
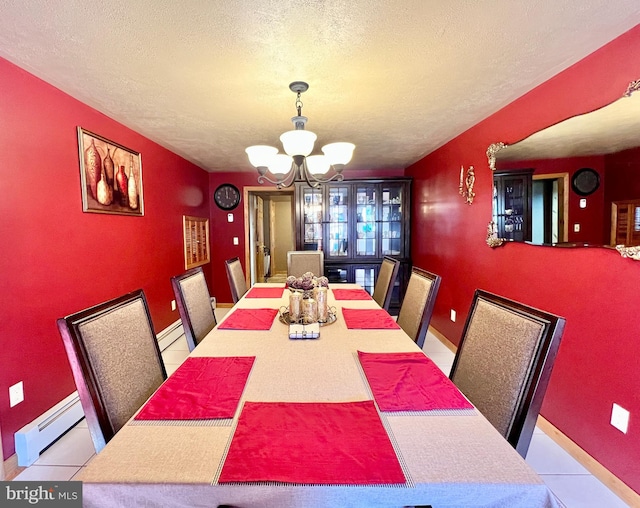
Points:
(427, 310)
(193, 337)
(536, 379)
(235, 293)
(384, 300)
(86, 376)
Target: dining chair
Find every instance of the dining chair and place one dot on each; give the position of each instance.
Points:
(417, 305)
(115, 360)
(387, 276)
(504, 362)
(303, 261)
(237, 282)
(194, 305)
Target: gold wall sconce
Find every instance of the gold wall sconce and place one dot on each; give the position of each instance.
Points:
(466, 184)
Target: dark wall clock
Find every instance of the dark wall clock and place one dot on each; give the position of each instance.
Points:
(227, 196)
(585, 181)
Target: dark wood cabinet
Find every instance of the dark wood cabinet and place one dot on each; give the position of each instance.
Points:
(512, 204)
(356, 223)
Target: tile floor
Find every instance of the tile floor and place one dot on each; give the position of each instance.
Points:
(569, 480)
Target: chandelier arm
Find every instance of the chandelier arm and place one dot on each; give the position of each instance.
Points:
(314, 181)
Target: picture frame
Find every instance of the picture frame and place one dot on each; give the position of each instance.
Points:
(110, 175)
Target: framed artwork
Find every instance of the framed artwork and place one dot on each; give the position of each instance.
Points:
(111, 176)
(196, 241)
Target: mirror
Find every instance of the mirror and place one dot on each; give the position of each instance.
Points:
(575, 183)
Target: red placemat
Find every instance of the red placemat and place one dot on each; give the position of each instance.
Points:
(265, 293)
(409, 382)
(200, 389)
(249, 319)
(314, 443)
(351, 294)
(368, 319)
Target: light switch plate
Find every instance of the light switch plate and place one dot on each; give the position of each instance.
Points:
(576, 228)
(173, 305)
(620, 418)
(453, 315)
(235, 240)
(16, 394)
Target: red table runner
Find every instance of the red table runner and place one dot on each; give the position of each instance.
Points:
(409, 382)
(265, 292)
(368, 319)
(312, 443)
(351, 294)
(249, 319)
(200, 389)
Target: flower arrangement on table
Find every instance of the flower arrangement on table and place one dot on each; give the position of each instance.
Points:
(306, 283)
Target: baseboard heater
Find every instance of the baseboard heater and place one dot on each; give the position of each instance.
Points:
(36, 436)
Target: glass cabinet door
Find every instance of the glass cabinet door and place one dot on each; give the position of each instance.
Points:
(392, 220)
(366, 220)
(337, 222)
(366, 277)
(312, 220)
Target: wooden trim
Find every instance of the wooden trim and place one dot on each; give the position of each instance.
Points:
(612, 482)
(443, 339)
(10, 468)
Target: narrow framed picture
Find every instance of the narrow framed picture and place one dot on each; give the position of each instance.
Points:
(111, 176)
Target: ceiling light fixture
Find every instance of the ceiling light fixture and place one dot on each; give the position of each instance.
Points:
(297, 164)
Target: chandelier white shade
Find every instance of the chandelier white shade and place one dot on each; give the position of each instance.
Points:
(298, 163)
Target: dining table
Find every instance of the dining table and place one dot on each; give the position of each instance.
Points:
(357, 417)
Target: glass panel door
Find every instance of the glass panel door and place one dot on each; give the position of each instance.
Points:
(392, 221)
(312, 220)
(338, 222)
(366, 220)
(366, 277)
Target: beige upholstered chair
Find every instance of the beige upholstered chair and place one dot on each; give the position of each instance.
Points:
(417, 305)
(237, 282)
(504, 362)
(302, 261)
(115, 360)
(386, 279)
(194, 304)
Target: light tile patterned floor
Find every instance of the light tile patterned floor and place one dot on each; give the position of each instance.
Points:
(569, 481)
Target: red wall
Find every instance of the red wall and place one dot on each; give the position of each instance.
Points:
(594, 289)
(56, 259)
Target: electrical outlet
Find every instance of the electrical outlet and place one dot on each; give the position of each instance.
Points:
(620, 418)
(235, 240)
(16, 394)
(453, 315)
(173, 305)
(576, 228)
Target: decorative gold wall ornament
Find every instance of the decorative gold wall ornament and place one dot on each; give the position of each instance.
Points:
(493, 149)
(467, 183)
(492, 236)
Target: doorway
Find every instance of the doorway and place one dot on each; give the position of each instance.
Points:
(269, 233)
(550, 208)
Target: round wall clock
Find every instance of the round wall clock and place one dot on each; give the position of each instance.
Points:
(227, 196)
(585, 181)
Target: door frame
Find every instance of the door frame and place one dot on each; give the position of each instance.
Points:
(248, 193)
(563, 180)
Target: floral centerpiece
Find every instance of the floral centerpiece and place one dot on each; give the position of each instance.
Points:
(306, 283)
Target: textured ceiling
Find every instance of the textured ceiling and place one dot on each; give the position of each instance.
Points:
(399, 78)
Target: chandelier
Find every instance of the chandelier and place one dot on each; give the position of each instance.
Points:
(297, 164)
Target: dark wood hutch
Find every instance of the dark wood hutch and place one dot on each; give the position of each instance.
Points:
(356, 223)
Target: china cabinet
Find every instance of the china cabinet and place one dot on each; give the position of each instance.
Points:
(356, 223)
(512, 204)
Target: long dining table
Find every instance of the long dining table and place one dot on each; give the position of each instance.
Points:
(440, 458)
